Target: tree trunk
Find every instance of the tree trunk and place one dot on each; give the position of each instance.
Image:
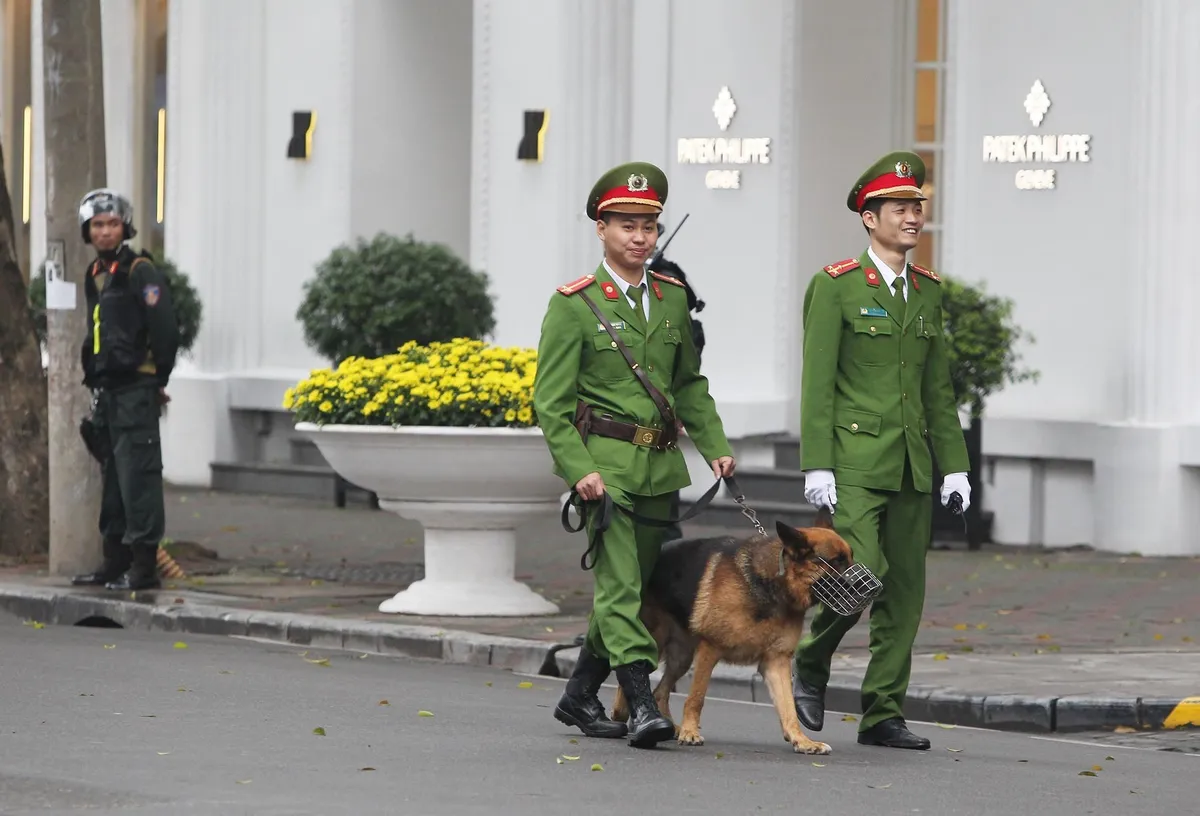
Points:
(24, 467)
(72, 73)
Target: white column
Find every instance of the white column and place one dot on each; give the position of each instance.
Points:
(1145, 499)
(118, 20)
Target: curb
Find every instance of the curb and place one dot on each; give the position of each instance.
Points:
(1003, 712)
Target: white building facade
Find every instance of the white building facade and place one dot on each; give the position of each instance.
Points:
(1059, 137)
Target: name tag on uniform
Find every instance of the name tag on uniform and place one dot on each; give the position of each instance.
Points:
(865, 312)
(619, 325)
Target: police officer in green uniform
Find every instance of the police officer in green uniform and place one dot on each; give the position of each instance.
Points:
(609, 433)
(875, 393)
(127, 358)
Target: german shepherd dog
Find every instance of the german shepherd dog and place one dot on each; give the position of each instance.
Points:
(742, 601)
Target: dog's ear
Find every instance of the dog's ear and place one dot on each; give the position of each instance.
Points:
(824, 518)
(793, 539)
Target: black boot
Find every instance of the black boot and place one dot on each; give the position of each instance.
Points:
(810, 703)
(143, 574)
(649, 726)
(579, 705)
(117, 559)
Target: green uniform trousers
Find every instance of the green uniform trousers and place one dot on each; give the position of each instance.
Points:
(132, 507)
(625, 559)
(889, 533)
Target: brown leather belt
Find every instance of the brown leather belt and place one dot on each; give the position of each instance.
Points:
(656, 438)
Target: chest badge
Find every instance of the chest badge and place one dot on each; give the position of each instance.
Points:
(872, 312)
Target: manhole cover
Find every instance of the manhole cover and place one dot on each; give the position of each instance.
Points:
(383, 573)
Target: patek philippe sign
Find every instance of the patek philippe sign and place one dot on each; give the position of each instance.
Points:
(1037, 148)
(724, 150)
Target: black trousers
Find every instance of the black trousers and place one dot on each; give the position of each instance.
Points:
(132, 509)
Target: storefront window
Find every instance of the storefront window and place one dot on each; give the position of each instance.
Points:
(929, 70)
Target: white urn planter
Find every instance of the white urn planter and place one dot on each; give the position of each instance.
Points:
(470, 488)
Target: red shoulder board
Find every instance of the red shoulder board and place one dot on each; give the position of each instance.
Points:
(920, 270)
(842, 267)
(666, 278)
(577, 285)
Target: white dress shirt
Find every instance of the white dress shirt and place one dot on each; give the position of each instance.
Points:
(625, 286)
(888, 274)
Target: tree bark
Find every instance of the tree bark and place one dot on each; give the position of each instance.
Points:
(72, 68)
(24, 464)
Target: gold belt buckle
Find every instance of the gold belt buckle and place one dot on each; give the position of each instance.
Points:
(646, 437)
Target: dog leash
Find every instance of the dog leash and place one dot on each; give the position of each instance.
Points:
(603, 508)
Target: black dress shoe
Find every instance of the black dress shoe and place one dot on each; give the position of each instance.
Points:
(649, 726)
(810, 703)
(579, 706)
(892, 733)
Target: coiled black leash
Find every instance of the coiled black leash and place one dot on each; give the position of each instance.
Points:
(603, 507)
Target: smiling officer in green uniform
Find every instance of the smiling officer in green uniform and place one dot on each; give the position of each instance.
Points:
(875, 393)
(611, 429)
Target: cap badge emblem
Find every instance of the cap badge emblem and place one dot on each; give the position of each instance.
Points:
(903, 170)
(638, 183)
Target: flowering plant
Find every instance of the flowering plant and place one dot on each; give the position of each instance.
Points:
(460, 383)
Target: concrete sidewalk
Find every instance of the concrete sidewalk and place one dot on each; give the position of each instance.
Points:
(1032, 640)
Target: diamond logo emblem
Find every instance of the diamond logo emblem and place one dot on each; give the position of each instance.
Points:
(724, 108)
(1037, 103)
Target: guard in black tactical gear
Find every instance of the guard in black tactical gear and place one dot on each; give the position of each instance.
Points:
(695, 305)
(127, 360)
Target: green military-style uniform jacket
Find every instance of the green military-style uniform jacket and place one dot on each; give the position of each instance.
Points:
(876, 379)
(577, 360)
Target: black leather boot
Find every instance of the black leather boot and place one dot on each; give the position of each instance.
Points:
(143, 574)
(117, 559)
(649, 726)
(579, 706)
(810, 703)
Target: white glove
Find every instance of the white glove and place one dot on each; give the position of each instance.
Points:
(819, 488)
(956, 482)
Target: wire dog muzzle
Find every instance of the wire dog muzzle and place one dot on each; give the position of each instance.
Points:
(846, 593)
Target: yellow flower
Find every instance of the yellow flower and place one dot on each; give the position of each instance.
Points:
(325, 407)
(510, 415)
(524, 415)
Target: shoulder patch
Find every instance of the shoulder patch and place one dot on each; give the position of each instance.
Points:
(577, 285)
(842, 267)
(920, 270)
(667, 278)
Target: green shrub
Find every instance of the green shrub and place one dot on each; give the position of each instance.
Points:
(370, 299)
(981, 341)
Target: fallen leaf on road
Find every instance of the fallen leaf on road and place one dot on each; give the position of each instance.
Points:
(244, 781)
(110, 645)
(315, 582)
(981, 626)
(818, 765)
(179, 644)
(1187, 639)
(230, 528)
(181, 688)
(960, 627)
(967, 648)
(488, 684)
(943, 725)
(1158, 637)
(1045, 637)
(384, 702)
(720, 754)
(1110, 759)
(1097, 768)
(363, 656)
(569, 758)
(224, 671)
(1124, 729)
(941, 656)
(162, 753)
(961, 640)
(597, 767)
(35, 624)
(1004, 611)
(1177, 620)
(1087, 773)
(955, 750)
(849, 718)
(424, 713)
(549, 628)
(559, 760)
(525, 684)
(319, 731)
(573, 741)
(888, 785)
(324, 661)
(366, 769)
(998, 557)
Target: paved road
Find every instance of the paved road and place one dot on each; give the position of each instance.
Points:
(117, 721)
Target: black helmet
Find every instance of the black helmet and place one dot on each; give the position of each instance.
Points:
(105, 200)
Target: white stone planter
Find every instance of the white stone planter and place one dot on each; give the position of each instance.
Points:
(470, 488)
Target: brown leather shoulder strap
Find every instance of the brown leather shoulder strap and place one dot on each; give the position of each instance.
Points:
(664, 407)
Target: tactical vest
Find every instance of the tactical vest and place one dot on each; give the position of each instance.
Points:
(120, 339)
